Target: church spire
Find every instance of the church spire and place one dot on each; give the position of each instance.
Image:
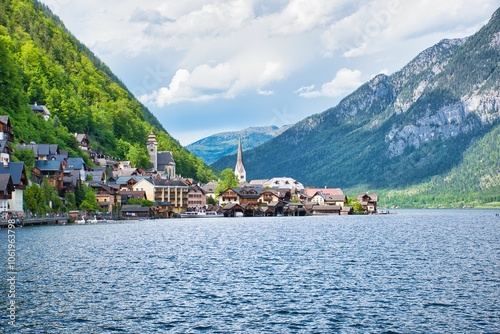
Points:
(239, 170)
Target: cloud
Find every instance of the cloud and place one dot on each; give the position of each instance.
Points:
(345, 81)
(152, 16)
(265, 92)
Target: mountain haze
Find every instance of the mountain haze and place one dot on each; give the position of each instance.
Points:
(399, 130)
(42, 62)
(214, 147)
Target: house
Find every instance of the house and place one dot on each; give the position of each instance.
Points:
(311, 191)
(268, 196)
(159, 190)
(136, 211)
(338, 200)
(107, 196)
(326, 209)
(83, 141)
(77, 164)
(42, 151)
(126, 194)
(53, 170)
(41, 110)
(6, 189)
(97, 174)
(229, 195)
(209, 189)
(6, 129)
(369, 202)
(196, 197)
(147, 186)
(19, 179)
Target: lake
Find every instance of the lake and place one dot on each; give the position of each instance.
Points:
(416, 271)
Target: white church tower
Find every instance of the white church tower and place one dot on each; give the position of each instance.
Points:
(239, 170)
(152, 145)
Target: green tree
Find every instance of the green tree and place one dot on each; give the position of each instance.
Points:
(140, 201)
(228, 180)
(89, 204)
(34, 199)
(358, 208)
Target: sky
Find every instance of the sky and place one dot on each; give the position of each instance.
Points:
(208, 66)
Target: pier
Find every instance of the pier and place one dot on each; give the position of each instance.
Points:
(63, 220)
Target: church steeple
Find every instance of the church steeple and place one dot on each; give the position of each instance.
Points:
(152, 145)
(239, 170)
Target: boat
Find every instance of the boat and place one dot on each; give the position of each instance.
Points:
(80, 221)
(201, 214)
(93, 221)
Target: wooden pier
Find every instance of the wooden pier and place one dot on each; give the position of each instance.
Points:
(37, 221)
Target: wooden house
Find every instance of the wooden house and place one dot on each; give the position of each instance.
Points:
(6, 129)
(6, 189)
(369, 202)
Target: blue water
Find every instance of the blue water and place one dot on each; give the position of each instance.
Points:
(435, 271)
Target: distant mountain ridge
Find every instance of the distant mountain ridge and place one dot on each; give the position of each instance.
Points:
(401, 130)
(214, 147)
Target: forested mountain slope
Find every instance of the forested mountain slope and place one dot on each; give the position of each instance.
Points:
(425, 120)
(42, 62)
(214, 147)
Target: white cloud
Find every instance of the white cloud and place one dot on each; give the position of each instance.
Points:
(345, 81)
(265, 92)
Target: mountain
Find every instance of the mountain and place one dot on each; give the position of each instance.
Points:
(396, 131)
(214, 147)
(42, 62)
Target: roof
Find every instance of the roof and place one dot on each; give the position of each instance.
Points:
(168, 183)
(41, 149)
(48, 165)
(75, 163)
(71, 176)
(368, 197)
(336, 198)
(15, 169)
(80, 136)
(311, 191)
(284, 182)
(210, 187)
(165, 158)
(135, 208)
(5, 180)
(4, 119)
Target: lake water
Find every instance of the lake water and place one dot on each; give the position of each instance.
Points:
(428, 271)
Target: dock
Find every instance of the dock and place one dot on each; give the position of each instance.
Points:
(37, 221)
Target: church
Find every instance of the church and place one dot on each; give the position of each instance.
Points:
(163, 161)
(239, 170)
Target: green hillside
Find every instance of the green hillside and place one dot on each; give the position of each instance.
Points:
(42, 62)
(426, 129)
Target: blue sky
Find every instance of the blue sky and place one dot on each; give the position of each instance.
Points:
(207, 66)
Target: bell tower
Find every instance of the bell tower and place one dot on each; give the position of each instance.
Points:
(239, 170)
(152, 146)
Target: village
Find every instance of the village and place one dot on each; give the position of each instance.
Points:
(116, 184)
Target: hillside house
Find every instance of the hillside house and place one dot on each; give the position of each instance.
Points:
(6, 129)
(83, 141)
(41, 110)
(44, 151)
(53, 170)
